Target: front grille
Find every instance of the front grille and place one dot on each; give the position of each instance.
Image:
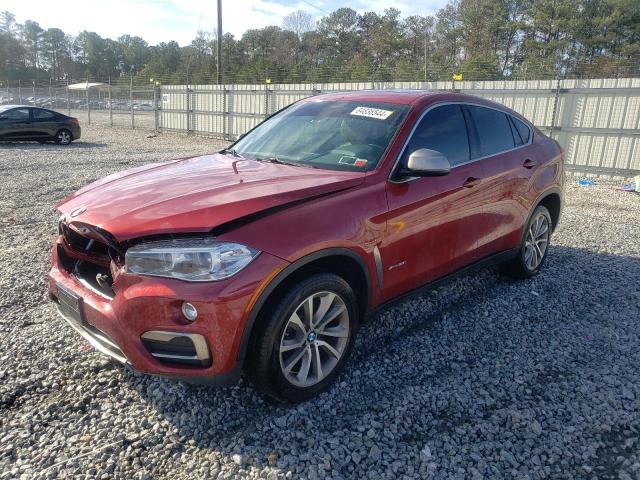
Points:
(86, 259)
(79, 242)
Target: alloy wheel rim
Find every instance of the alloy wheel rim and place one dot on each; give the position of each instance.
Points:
(314, 339)
(64, 137)
(536, 242)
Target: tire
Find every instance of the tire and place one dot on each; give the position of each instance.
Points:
(280, 339)
(530, 259)
(64, 137)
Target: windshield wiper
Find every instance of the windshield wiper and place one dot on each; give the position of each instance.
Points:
(233, 152)
(282, 162)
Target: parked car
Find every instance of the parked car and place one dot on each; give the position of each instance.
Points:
(143, 107)
(265, 258)
(21, 122)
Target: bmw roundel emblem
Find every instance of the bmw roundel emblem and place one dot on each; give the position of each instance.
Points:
(77, 211)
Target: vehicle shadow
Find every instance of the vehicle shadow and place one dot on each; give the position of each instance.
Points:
(430, 368)
(51, 145)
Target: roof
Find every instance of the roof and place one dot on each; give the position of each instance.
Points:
(8, 107)
(405, 97)
(85, 85)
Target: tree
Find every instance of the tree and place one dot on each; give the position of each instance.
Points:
(298, 22)
(7, 22)
(55, 50)
(341, 36)
(483, 39)
(418, 31)
(481, 30)
(135, 53)
(32, 34)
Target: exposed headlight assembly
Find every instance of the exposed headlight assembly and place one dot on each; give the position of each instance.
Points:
(190, 259)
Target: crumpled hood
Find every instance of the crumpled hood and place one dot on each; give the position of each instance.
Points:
(195, 194)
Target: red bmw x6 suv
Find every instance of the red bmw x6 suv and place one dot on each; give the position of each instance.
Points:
(264, 258)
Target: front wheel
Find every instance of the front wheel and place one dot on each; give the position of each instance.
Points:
(534, 246)
(306, 340)
(64, 137)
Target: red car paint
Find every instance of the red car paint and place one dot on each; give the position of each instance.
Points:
(291, 214)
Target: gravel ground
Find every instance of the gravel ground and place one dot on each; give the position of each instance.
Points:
(484, 378)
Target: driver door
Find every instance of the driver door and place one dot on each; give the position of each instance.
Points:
(433, 222)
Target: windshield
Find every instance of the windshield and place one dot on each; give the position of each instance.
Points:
(336, 135)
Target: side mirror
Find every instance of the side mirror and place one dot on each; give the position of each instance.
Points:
(427, 163)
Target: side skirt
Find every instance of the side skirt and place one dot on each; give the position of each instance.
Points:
(474, 267)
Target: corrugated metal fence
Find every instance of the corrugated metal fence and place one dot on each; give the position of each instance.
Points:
(597, 121)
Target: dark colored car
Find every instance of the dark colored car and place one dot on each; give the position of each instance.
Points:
(20, 123)
(265, 257)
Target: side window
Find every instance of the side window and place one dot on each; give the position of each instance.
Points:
(443, 129)
(16, 114)
(523, 129)
(42, 114)
(494, 131)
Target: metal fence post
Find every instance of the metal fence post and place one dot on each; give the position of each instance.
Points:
(188, 102)
(88, 103)
(266, 101)
(68, 100)
(50, 94)
(9, 101)
(155, 108)
(133, 121)
(19, 92)
(225, 114)
(110, 104)
(554, 112)
(34, 91)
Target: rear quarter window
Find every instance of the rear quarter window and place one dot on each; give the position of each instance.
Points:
(43, 114)
(523, 130)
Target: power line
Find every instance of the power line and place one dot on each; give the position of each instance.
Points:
(315, 6)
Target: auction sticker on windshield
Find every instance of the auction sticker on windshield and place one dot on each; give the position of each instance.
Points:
(377, 113)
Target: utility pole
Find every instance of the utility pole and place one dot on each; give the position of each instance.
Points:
(219, 55)
(425, 55)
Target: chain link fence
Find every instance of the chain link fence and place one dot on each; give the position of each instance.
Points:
(123, 104)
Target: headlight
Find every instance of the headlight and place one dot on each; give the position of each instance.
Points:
(190, 259)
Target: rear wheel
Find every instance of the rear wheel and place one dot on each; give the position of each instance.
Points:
(306, 340)
(64, 137)
(534, 246)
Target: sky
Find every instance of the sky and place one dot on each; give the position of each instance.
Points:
(164, 20)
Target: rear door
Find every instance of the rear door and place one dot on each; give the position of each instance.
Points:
(45, 122)
(15, 124)
(433, 221)
(503, 160)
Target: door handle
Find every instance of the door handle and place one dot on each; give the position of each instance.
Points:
(528, 163)
(471, 182)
